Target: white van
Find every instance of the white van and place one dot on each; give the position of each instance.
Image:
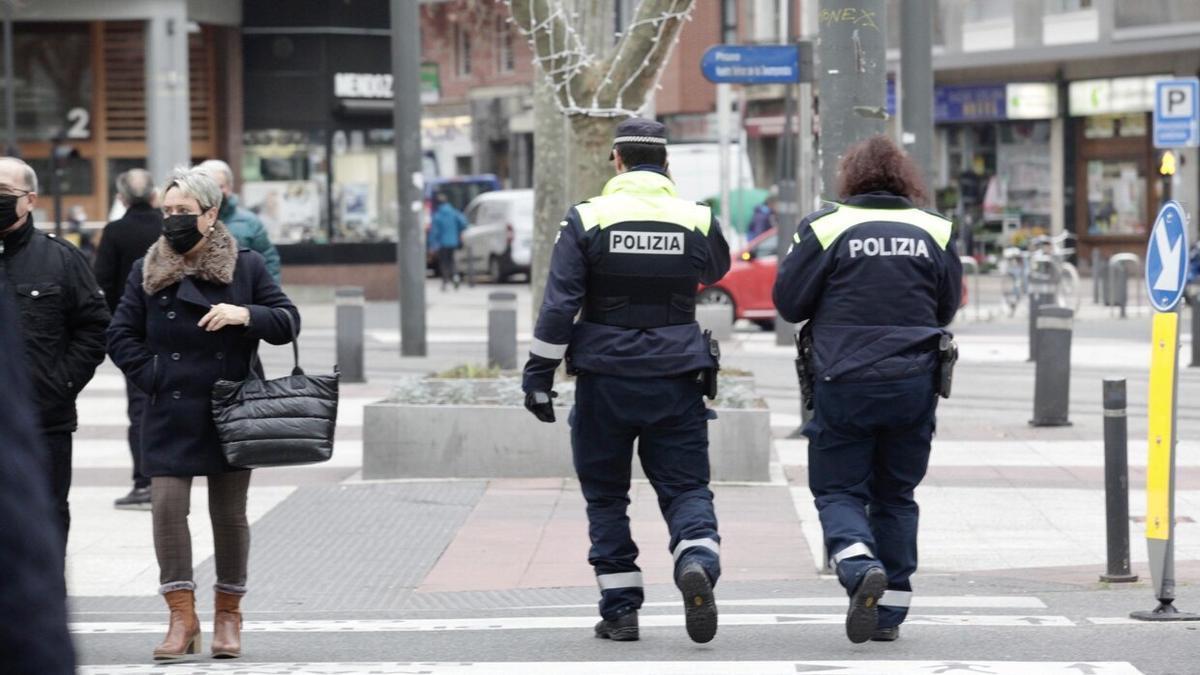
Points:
(499, 235)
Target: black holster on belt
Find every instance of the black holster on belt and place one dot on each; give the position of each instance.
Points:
(707, 377)
(804, 367)
(947, 357)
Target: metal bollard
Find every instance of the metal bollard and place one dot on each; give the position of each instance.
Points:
(502, 330)
(1099, 278)
(784, 331)
(1041, 292)
(1119, 293)
(350, 304)
(1195, 310)
(971, 268)
(1116, 482)
(1052, 374)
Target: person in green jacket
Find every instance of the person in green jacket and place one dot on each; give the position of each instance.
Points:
(243, 224)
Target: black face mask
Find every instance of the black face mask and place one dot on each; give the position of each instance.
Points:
(8, 211)
(181, 232)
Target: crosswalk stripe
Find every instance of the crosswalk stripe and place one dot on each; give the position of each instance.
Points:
(557, 622)
(948, 601)
(631, 668)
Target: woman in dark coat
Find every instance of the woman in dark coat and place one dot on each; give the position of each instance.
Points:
(193, 312)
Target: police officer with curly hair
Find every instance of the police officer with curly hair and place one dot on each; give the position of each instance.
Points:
(629, 262)
(877, 279)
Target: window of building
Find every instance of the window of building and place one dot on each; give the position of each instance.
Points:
(505, 62)
(52, 73)
(1162, 12)
(284, 174)
(1116, 196)
(766, 21)
(987, 10)
(462, 51)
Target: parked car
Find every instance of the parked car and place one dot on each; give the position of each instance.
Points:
(459, 191)
(499, 236)
(747, 285)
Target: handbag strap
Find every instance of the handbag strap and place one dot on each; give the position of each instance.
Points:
(296, 369)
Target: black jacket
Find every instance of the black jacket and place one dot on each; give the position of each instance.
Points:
(63, 316)
(154, 338)
(877, 279)
(33, 609)
(621, 241)
(124, 241)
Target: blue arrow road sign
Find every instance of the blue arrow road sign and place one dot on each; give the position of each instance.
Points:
(751, 64)
(1177, 113)
(1167, 258)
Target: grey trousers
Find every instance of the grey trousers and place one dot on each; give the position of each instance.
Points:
(171, 502)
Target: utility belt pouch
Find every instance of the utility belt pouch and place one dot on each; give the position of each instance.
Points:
(804, 369)
(947, 357)
(708, 376)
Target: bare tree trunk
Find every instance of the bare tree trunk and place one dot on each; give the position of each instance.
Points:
(549, 182)
(596, 83)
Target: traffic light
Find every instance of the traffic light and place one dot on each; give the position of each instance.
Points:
(1166, 166)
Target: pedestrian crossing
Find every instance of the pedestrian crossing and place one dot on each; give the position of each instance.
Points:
(840, 667)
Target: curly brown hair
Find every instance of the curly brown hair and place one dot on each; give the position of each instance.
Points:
(879, 165)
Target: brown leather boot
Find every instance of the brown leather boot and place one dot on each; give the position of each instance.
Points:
(183, 633)
(227, 626)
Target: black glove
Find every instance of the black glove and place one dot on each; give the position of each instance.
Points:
(541, 404)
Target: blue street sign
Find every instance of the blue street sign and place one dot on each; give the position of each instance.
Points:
(752, 64)
(965, 103)
(1167, 258)
(1177, 113)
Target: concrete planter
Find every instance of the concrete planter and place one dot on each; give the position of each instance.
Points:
(407, 440)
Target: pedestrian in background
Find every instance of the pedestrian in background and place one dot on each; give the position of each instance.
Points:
(445, 237)
(243, 224)
(632, 259)
(33, 603)
(763, 218)
(193, 311)
(876, 278)
(63, 316)
(124, 241)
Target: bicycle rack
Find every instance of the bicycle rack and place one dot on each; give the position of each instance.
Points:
(1118, 279)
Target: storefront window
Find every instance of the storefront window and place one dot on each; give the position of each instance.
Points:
(284, 173)
(1116, 197)
(1115, 126)
(1162, 12)
(364, 186)
(52, 71)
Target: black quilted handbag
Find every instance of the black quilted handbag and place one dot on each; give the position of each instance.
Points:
(281, 422)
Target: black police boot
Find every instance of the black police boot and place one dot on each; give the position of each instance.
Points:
(699, 606)
(138, 499)
(863, 616)
(886, 634)
(624, 628)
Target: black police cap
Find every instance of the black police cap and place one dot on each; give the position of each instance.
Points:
(639, 130)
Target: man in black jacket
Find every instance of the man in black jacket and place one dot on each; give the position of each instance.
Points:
(63, 317)
(33, 609)
(126, 240)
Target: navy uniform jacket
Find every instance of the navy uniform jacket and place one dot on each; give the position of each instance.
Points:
(646, 240)
(876, 278)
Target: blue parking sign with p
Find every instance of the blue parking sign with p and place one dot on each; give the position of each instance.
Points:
(1167, 258)
(1177, 113)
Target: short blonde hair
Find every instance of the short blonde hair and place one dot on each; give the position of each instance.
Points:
(197, 184)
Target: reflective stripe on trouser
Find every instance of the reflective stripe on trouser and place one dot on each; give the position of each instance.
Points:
(868, 449)
(667, 418)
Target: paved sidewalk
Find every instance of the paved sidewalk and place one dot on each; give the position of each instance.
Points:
(490, 576)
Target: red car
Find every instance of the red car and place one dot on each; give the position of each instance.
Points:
(747, 286)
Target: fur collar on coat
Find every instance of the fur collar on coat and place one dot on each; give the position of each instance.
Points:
(164, 267)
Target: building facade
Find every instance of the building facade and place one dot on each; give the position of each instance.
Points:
(146, 84)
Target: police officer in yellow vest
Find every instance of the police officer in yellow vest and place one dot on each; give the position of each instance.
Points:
(629, 263)
(877, 279)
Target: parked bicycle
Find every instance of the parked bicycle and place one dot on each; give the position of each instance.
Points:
(1044, 261)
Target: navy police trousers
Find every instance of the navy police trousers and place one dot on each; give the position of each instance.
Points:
(868, 449)
(669, 421)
